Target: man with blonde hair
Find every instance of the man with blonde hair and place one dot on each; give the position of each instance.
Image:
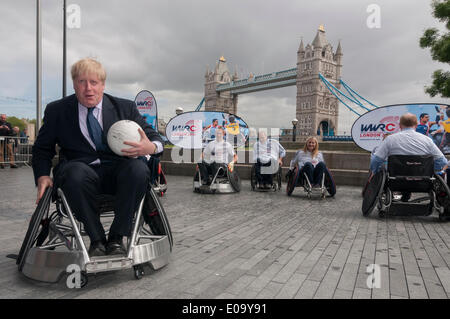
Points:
(79, 125)
(407, 142)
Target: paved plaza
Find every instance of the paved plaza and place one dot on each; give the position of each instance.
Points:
(253, 245)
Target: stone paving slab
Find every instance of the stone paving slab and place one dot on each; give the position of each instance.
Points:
(253, 245)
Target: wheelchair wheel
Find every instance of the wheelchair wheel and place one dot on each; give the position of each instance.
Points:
(329, 183)
(442, 196)
(253, 178)
(234, 179)
(155, 216)
(37, 228)
(373, 192)
(292, 181)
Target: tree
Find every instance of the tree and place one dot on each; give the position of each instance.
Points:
(16, 122)
(439, 45)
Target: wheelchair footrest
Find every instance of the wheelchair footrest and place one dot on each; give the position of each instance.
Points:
(100, 264)
(409, 209)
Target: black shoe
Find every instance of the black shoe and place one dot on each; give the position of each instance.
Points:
(115, 246)
(96, 249)
(14, 166)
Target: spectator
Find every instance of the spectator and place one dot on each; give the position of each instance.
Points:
(24, 136)
(5, 145)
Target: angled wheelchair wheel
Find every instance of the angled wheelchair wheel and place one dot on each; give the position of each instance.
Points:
(329, 183)
(155, 216)
(253, 177)
(292, 181)
(234, 179)
(373, 192)
(442, 196)
(37, 229)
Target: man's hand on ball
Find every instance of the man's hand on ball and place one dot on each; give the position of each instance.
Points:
(141, 148)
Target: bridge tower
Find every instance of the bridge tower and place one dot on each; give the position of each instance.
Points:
(220, 101)
(317, 109)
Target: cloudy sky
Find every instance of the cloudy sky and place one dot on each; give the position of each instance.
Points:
(165, 47)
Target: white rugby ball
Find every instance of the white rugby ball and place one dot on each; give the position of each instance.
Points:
(121, 131)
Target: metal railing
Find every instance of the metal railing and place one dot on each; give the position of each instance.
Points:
(14, 150)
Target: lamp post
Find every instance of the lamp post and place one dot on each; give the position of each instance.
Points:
(64, 91)
(294, 128)
(179, 110)
(38, 66)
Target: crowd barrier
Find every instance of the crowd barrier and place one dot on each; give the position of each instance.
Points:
(14, 150)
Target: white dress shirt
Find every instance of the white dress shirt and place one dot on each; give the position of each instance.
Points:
(271, 149)
(407, 142)
(219, 152)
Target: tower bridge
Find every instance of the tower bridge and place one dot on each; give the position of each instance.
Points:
(317, 109)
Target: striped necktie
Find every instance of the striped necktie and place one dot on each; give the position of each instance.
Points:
(95, 130)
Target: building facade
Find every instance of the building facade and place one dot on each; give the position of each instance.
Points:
(317, 109)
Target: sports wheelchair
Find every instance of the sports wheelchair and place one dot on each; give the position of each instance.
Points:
(276, 179)
(407, 174)
(54, 241)
(157, 178)
(225, 181)
(297, 177)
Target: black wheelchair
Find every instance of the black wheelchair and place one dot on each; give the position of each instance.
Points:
(157, 178)
(54, 244)
(390, 189)
(225, 181)
(276, 180)
(297, 177)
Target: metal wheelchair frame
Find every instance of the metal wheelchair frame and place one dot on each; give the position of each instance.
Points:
(276, 184)
(39, 258)
(221, 182)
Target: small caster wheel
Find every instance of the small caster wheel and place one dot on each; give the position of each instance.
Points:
(83, 279)
(138, 271)
(382, 214)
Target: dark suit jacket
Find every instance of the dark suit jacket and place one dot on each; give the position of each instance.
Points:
(61, 126)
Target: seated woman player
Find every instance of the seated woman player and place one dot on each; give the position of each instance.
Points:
(216, 153)
(310, 161)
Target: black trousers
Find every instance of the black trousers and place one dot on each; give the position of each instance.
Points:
(207, 169)
(264, 178)
(126, 179)
(314, 173)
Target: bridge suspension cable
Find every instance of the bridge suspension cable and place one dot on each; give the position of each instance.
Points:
(199, 106)
(336, 92)
(349, 89)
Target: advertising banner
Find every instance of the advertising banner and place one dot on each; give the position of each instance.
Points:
(194, 130)
(146, 104)
(369, 129)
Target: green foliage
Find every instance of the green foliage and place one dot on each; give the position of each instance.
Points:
(16, 122)
(440, 49)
